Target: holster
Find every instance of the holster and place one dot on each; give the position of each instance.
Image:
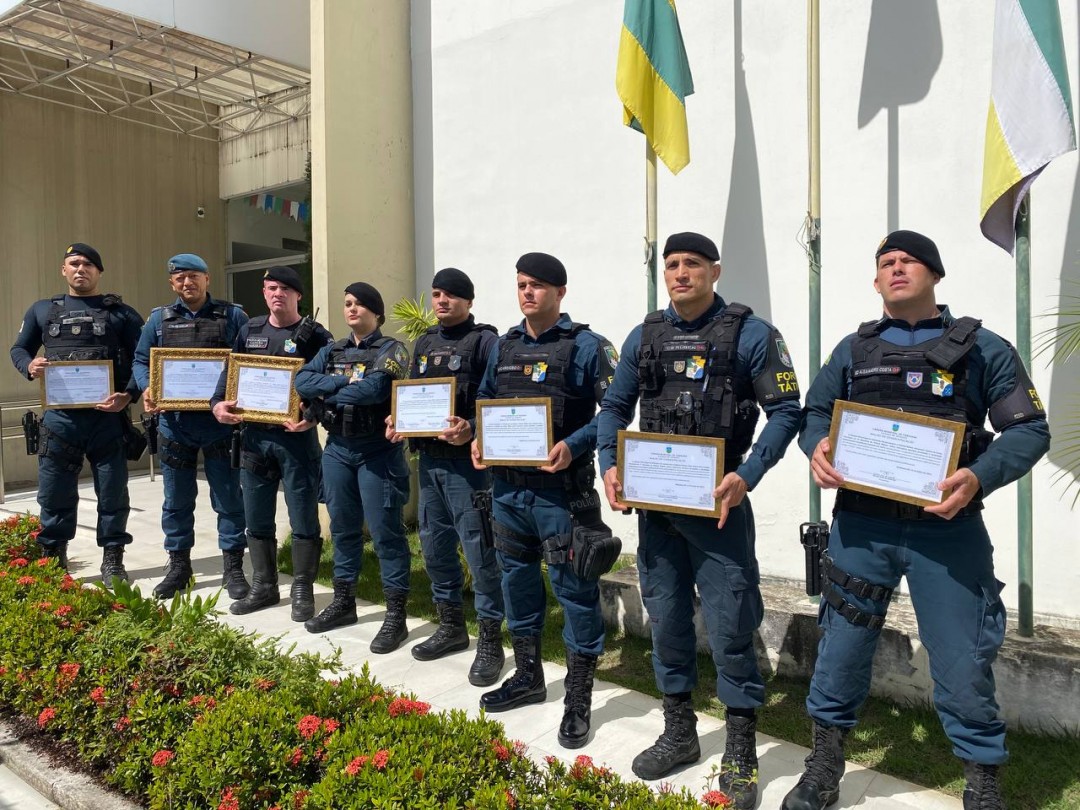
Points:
(265, 467)
(590, 551)
(64, 454)
(481, 502)
(815, 540)
(135, 441)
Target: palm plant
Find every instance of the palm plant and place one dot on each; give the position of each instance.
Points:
(1063, 341)
(412, 317)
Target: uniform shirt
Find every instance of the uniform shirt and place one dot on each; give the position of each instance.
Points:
(29, 340)
(756, 340)
(319, 337)
(314, 381)
(151, 336)
(992, 366)
(592, 365)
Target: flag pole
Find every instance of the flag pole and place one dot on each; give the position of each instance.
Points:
(1025, 568)
(650, 224)
(813, 217)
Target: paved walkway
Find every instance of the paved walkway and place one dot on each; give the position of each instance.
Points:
(625, 722)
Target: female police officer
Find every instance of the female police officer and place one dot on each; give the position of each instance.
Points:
(364, 475)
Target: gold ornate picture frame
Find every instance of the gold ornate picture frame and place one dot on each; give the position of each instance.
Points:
(264, 389)
(196, 366)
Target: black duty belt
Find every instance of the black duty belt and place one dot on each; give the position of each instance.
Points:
(874, 506)
(437, 449)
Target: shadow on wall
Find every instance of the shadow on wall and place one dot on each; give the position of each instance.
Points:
(1063, 400)
(903, 52)
(742, 255)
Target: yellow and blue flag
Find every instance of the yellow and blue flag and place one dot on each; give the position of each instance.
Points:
(653, 78)
(1030, 121)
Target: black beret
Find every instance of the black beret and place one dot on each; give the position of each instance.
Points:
(693, 243)
(915, 245)
(543, 267)
(368, 297)
(87, 252)
(455, 282)
(286, 276)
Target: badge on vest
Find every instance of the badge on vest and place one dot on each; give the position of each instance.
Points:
(695, 369)
(679, 366)
(290, 346)
(539, 372)
(438, 360)
(914, 379)
(358, 370)
(941, 383)
(454, 363)
(54, 330)
(256, 343)
(421, 364)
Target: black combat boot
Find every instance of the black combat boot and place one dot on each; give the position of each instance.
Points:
(393, 631)
(739, 765)
(178, 574)
(819, 786)
(232, 573)
(577, 714)
(678, 745)
(340, 612)
(305, 561)
(58, 553)
(112, 565)
(450, 636)
(526, 685)
(487, 666)
(982, 791)
(264, 577)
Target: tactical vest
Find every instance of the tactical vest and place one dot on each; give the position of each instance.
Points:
(440, 356)
(691, 383)
(83, 334)
(543, 370)
(930, 378)
(204, 332)
(353, 421)
(265, 339)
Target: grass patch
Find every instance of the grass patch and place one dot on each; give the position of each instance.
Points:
(903, 741)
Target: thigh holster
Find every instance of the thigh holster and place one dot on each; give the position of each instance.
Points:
(519, 546)
(265, 467)
(69, 457)
(219, 450)
(836, 577)
(176, 455)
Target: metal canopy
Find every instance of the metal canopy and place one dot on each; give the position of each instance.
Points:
(80, 55)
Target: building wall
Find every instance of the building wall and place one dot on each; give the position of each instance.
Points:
(128, 190)
(521, 147)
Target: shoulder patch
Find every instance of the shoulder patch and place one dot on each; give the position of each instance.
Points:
(611, 355)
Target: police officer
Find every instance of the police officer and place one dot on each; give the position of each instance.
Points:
(920, 358)
(289, 453)
(196, 320)
(365, 476)
(703, 367)
(82, 324)
(457, 347)
(535, 508)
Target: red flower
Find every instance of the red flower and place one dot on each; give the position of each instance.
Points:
(97, 694)
(401, 705)
(3, 670)
(25, 581)
(44, 605)
(173, 689)
(716, 798)
(117, 606)
(418, 774)
(264, 683)
(162, 758)
(550, 760)
(354, 767)
(382, 756)
(63, 610)
(511, 802)
(20, 562)
(299, 798)
(296, 758)
(501, 751)
(46, 715)
(41, 563)
(122, 724)
(308, 726)
(330, 725)
(228, 800)
(69, 672)
(520, 748)
(67, 583)
(3, 573)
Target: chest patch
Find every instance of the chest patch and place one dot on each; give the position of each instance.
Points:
(256, 343)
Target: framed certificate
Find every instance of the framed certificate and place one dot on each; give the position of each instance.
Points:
(76, 383)
(514, 432)
(893, 454)
(185, 379)
(667, 473)
(422, 407)
(263, 387)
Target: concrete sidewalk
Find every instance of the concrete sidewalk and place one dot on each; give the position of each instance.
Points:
(624, 722)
